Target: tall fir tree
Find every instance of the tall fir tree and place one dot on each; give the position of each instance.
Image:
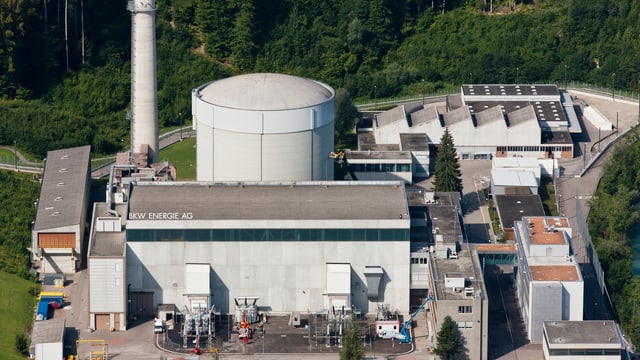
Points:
(352, 345)
(448, 175)
(449, 342)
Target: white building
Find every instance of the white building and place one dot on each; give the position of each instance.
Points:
(106, 265)
(264, 127)
(486, 121)
(285, 243)
(549, 283)
(584, 340)
(513, 182)
(47, 339)
(58, 231)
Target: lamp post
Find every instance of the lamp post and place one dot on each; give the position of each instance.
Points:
(470, 78)
(181, 124)
(613, 86)
(422, 91)
(15, 155)
(565, 76)
(517, 74)
(375, 96)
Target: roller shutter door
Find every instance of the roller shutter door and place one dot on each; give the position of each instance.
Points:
(102, 322)
(57, 240)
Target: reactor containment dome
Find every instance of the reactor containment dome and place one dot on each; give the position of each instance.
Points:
(264, 127)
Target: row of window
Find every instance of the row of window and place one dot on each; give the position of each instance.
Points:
(418, 260)
(584, 352)
(267, 235)
(465, 309)
(381, 167)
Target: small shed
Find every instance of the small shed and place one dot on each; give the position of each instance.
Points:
(167, 312)
(47, 339)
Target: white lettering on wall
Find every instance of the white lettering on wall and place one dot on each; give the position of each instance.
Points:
(161, 216)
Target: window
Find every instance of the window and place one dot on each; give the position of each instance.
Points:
(465, 309)
(465, 324)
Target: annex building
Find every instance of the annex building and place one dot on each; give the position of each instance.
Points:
(485, 121)
(549, 282)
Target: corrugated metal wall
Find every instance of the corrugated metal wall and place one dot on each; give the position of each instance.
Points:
(107, 288)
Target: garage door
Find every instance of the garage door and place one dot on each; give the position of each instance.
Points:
(56, 240)
(142, 304)
(102, 322)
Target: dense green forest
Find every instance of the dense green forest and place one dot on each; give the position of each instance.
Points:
(611, 218)
(65, 65)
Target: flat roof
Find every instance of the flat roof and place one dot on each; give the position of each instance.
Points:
(506, 177)
(378, 155)
(567, 272)
(544, 230)
(510, 89)
(557, 137)
(321, 200)
(414, 142)
(107, 243)
(512, 208)
(62, 192)
(587, 333)
(48, 331)
(496, 248)
(545, 111)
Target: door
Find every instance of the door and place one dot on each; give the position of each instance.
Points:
(102, 322)
(142, 304)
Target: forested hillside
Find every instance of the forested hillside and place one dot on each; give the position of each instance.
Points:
(65, 71)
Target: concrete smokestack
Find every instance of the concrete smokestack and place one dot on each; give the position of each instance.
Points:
(144, 98)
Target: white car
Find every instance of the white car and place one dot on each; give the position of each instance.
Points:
(158, 326)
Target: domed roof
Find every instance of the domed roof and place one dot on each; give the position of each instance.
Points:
(266, 91)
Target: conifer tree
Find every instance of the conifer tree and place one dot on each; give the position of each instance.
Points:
(447, 177)
(352, 345)
(449, 342)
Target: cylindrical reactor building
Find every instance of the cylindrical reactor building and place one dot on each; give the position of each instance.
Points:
(264, 127)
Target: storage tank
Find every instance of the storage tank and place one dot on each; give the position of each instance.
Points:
(264, 127)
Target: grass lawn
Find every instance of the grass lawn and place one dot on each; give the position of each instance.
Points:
(183, 155)
(16, 312)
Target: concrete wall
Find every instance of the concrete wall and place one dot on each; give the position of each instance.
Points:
(472, 326)
(545, 304)
(286, 276)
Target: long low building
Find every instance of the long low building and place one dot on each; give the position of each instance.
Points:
(304, 246)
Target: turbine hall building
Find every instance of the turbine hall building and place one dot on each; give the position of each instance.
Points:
(297, 246)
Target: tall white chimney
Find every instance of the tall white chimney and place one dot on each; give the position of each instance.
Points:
(144, 98)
